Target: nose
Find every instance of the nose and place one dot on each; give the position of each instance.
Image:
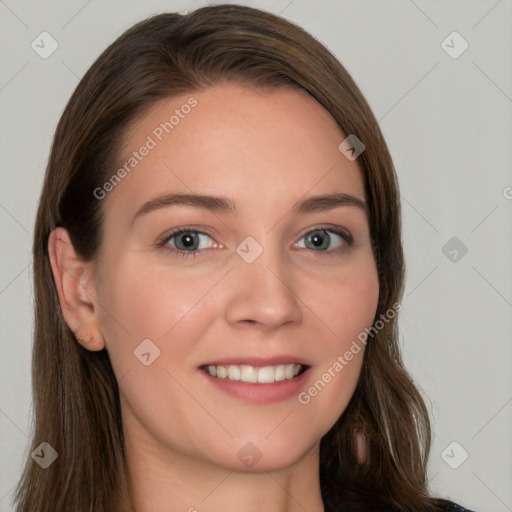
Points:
(262, 292)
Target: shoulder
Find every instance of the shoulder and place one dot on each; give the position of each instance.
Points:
(454, 507)
(367, 506)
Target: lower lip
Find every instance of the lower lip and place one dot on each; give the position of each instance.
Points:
(259, 393)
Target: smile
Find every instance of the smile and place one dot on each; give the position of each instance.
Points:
(255, 374)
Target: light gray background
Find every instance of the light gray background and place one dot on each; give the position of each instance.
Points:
(448, 124)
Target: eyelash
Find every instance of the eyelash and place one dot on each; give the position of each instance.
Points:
(163, 242)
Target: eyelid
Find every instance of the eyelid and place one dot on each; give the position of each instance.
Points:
(333, 228)
(202, 230)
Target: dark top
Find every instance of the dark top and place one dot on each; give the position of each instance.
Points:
(360, 497)
(451, 507)
(458, 508)
(364, 500)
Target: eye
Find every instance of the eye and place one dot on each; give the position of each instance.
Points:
(326, 240)
(187, 242)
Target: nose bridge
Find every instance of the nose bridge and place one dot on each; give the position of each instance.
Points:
(262, 284)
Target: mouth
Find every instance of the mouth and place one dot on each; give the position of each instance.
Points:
(255, 374)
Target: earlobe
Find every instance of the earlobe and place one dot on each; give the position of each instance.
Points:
(74, 282)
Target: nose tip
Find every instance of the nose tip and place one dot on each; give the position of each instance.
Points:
(262, 293)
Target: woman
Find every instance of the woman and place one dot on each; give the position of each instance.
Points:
(218, 267)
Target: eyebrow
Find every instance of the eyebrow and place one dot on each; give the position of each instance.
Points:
(223, 204)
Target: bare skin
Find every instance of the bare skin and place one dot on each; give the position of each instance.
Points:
(265, 151)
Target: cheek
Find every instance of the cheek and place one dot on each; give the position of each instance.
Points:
(347, 303)
(347, 306)
(139, 302)
(144, 303)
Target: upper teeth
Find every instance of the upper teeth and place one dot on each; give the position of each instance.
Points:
(248, 373)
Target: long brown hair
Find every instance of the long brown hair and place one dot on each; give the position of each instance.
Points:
(76, 397)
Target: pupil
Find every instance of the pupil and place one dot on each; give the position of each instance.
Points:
(320, 239)
(187, 240)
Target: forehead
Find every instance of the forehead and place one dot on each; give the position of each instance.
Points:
(257, 146)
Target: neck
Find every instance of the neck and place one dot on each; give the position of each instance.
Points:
(165, 480)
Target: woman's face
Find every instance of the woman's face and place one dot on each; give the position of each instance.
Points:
(253, 282)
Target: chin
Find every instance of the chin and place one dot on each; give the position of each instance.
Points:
(261, 456)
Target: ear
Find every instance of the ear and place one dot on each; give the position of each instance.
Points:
(74, 280)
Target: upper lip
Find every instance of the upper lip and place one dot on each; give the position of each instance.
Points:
(258, 361)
